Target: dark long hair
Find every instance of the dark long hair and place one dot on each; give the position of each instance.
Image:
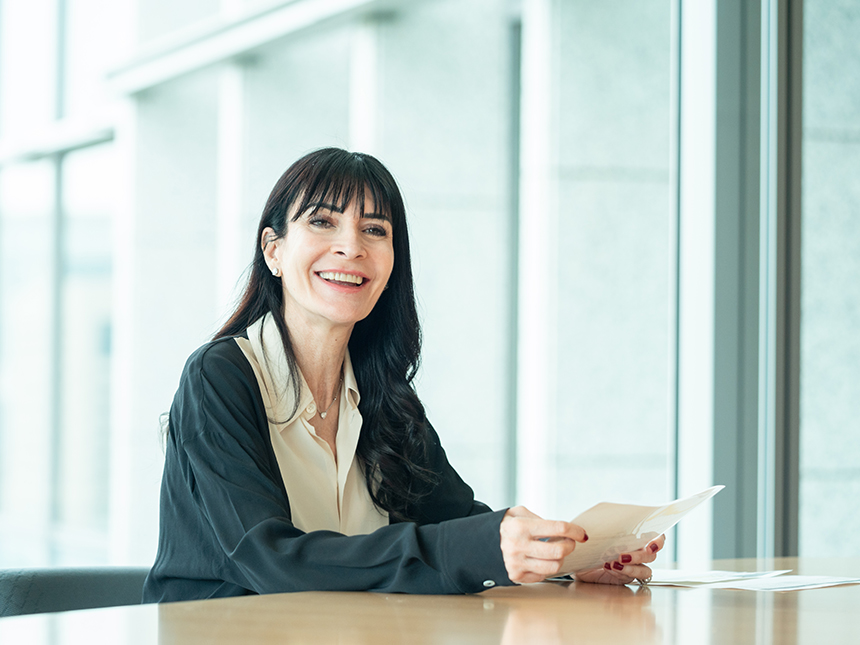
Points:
(385, 347)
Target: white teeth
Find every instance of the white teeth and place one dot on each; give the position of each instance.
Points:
(341, 277)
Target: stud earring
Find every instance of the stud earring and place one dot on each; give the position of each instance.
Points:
(276, 272)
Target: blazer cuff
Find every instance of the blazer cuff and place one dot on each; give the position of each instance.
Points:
(473, 552)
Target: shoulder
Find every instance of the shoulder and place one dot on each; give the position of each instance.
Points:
(217, 355)
(219, 364)
(217, 380)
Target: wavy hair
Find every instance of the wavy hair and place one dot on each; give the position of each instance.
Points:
(385, 347)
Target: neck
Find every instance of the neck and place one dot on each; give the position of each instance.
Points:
(319, 350)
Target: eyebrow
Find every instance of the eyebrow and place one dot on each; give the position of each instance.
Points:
(337, 209)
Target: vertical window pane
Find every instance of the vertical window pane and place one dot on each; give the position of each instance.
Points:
(830, 296)
(26, 308)
(613, 199)
(88, 176)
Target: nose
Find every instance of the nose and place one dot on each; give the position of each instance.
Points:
(348, 242)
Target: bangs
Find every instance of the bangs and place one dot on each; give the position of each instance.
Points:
(335, 181)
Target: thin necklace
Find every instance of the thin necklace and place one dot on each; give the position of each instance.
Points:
(325, 412)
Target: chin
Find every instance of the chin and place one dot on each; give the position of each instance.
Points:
(346, 318)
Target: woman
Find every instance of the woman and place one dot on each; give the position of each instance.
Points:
(299, 456)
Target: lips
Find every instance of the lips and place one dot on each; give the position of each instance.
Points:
(345, 279)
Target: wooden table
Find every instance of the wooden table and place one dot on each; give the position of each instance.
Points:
(541, 613)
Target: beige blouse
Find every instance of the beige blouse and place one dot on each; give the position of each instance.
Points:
(324, 495)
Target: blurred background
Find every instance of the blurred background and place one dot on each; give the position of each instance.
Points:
(635, 227)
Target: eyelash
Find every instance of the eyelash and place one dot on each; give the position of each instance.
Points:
(320, 222)
(376, 231)
(323, 222)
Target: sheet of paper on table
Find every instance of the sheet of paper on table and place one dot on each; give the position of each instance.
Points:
(785, 583)
(688, 578)
(747, 580)
(614, 529)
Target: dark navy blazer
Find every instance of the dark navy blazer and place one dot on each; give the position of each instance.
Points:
(225, 526)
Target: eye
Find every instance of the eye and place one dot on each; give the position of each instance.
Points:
(320, 221)
(376, 230)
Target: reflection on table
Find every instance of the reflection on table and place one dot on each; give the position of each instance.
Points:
(541, 613)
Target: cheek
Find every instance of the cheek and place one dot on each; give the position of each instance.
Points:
(389, 262)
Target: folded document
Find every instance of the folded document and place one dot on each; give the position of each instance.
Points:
(614, 529)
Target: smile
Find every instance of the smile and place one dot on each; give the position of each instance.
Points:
(341, 278)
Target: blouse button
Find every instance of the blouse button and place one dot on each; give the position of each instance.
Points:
(311, 408)
(489, 583)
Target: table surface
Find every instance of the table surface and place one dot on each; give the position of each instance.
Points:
(539, 613)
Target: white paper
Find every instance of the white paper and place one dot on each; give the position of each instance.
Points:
(747, 580)
(785, 583)
(614, 529)
(687, 578)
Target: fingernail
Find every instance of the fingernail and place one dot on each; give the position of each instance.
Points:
(617, 566)
(585, 537)
(626, 558)
(606, 565)
(654, 548)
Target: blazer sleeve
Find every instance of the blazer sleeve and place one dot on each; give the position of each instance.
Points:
(225, 462)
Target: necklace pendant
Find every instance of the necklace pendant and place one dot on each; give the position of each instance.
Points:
(322, 414)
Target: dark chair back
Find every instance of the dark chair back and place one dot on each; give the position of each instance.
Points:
(35, 591)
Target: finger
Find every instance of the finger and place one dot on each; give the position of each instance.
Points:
(646, 554)
(532, 570)
(657, 544)
(617, 575)
(543, 568)
(555, 549)
(632, 571)
(640, 556)
(542, 529)
(651, 550)
(640, 572)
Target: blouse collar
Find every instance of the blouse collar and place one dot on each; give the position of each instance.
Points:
(265, 339)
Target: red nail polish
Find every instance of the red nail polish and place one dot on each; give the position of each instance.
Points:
(626, 558)
(585, 537)
(654, 548)
(617, 566)
(606, 565)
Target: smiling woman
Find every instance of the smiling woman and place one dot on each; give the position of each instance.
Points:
(299, 456)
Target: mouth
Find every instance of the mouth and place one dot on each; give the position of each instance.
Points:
(342, 279)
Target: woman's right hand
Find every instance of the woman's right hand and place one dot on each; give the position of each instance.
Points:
(534, 548)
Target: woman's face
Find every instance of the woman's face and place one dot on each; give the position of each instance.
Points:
(334, 265)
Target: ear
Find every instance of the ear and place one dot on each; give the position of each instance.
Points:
(269, 242)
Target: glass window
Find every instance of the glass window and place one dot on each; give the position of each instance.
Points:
(55, 332)
(85, 340)
(612, 171)
(830, 288)
(96, 41)
(28, 54)
(26, 360)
